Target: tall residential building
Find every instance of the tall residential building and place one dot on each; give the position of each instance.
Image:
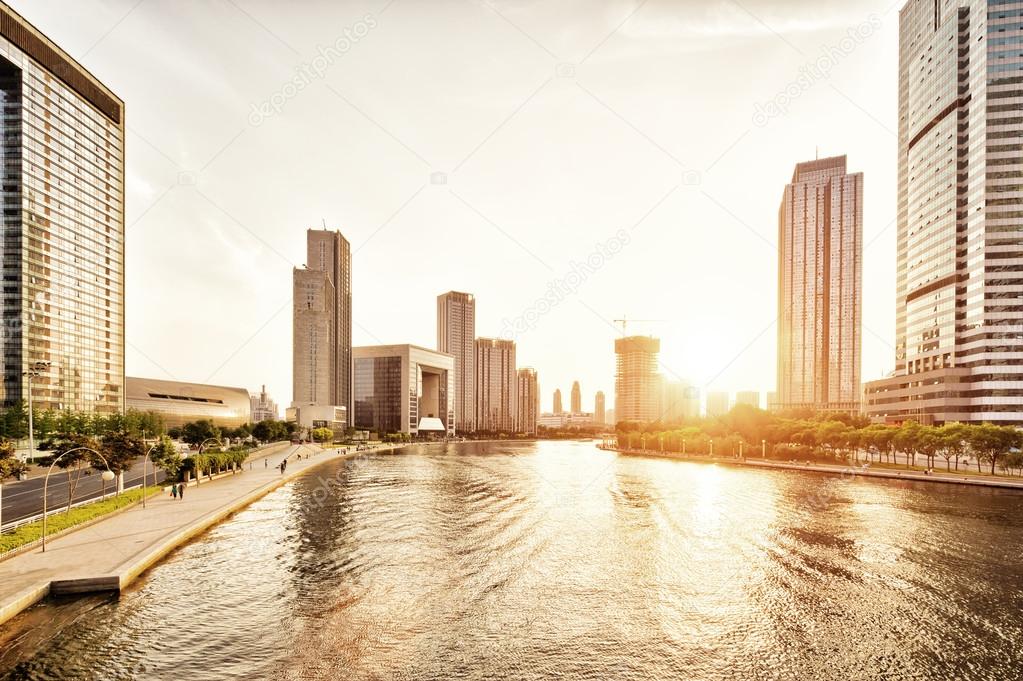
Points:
(637, 384)
(679, 401)
(558, 407)
(261, 407)
(456, 335)
(495, 384)
(820, 253)
(312, 338)
(527, 410)
(577, 398)
(599, 410)
(330, 253)
(403, 389)
(959, 281)
(717, 403)
(63, 226)
(609, 416)
(748, 397)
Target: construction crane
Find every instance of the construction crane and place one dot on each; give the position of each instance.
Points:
(624, 322)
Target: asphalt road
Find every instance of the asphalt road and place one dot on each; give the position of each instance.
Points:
(25, 498)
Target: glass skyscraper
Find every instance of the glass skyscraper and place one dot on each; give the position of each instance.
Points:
(959, 298)
(820, 291)
(62, 151)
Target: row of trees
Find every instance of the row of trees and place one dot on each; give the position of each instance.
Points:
(195, 432)
(49, 422)
(833, 438)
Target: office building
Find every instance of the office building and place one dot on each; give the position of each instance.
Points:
(527, 395)
(179, 403)
(637, 383)
(558, 408)
(456, 335)
(772, 401)
(495, 384)
(599, 410)
(311, 416)
(396, 387)
(717, 404)
(261, 407)
(820, 252)
(750, 398)
(63, 227)
(680, 401)
(959, 277)
(609, 417)
(313, 360)
(577, 398)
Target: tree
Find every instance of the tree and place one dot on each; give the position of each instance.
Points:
(120, 449)
(10, 467)
(323, 435)
(166, 457)
(196, 432)
(73, 454)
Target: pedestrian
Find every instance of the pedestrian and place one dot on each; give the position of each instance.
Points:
(266, 463)
(181, 491)
(174, 490)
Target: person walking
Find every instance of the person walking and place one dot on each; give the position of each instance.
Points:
(181, 491)
(174, 490)
(266, 463)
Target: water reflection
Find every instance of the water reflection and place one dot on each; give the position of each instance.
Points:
(548, 560)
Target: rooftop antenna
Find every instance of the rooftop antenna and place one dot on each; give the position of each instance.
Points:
(324, 222)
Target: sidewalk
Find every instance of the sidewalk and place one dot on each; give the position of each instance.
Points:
(110, 554)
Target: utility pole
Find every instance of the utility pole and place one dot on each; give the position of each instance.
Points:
(36, 370)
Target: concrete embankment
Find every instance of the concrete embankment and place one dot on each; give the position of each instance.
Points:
(829, 469)
(109, 555)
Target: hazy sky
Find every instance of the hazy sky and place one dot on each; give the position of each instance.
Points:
(632, 151)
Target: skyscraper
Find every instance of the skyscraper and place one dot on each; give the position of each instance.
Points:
(63, 227)
(599, 411)
(637, 384)
(717, 403)
(679, 401)
(558, 407)
(748, 397)
(528, 401)
(262, 407)
(820, 251)
(456, 335)
(322, 325)
(958, 346)
(577, 398)
(495, 384)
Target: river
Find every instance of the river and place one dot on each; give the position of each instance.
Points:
(558, 560)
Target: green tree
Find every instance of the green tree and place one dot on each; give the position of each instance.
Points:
(120, 449)
(196, 432)
(10, 467)
(323, 435)
(73, 454)
(166, 457)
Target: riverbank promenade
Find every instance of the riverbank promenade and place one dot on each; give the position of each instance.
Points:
(849, 470)
(111, 553)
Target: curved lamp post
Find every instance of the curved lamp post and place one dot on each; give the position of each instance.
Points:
(107, 475)
(145, 461)
(201, 445)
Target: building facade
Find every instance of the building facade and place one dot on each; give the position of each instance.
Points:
(717, 404)
(180, 403)
(312, 338)
(679, 401)
(577, 398)
(495, 384)
(329, 252)
(397, 386)
(63, 226)
(820, 254)
(262, 408)
(527, 397)
(637, 383)
(750, 398)
(456, 335)
(959, 277)
(599, 409)
(558, 406)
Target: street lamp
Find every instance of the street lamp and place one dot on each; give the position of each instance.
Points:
(712, 446)
(763, 449)
(36, 369)
(107, 476)
(201, 445)
(144, 462)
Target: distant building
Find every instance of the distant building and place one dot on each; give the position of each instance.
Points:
(748, 397)
(717, 403)
(310, 416)
(958, 273)
(637, 383)
(527, 410)
(396, 386)
(772, 401)
(577, 398)
(820, 253)
(680, 401)
(495, 384)
(565, 420)
(558, 408)
(456, 335)
(180, 403)
(261, 407)
(609, 417)
(599, 412)
(63, 153)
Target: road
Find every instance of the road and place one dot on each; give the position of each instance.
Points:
(25, 498)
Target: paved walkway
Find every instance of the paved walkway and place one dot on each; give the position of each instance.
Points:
(120, 548)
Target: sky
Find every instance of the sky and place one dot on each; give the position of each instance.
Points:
(569, 163)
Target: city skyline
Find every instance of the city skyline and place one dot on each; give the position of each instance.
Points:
(182, 164)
